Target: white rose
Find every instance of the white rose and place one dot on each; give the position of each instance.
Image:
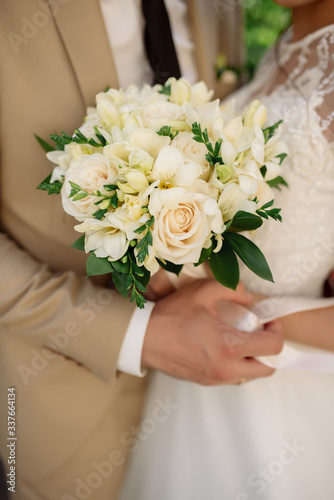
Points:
(91, 173)
(184, 224)
(159, 113)
(190, 149)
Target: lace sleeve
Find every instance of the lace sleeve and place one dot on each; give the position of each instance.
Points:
(311, 71)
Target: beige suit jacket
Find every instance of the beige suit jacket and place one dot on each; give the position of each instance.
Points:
(60, 334)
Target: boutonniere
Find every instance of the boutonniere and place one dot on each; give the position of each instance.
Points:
(227, 73)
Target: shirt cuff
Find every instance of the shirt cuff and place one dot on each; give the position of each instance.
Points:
(129, 360)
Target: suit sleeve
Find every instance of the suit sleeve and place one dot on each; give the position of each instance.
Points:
(61, 311)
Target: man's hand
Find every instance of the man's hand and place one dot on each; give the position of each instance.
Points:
(186, 339)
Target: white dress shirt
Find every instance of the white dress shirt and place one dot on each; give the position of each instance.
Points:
(125, 25)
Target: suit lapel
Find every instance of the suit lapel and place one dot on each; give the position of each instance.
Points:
(81, 27)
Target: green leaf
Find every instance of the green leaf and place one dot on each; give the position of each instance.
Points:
(166, 89)
(96, 266)
(205, 254)
(170, 267)
(122, 282)
(250, 254)
(79, 244)
(167, 131)
(140, 229)
(263, 171)
(99, 214)
(245, 221)
(270, 131)
(110, 187)
(225, 267)
(267, 205)
(44, 145)
(75, 186)
(278, 181)
(53, 188)
(121, 267)
(80, 196)
(281, 157)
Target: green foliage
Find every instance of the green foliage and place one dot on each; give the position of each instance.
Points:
(250, 254)
(44, 145)
(79, 138)
(79, 244)
(245, 221)
(130, 279)
(53, 188)
(213, 155)
(167, 131)
(270, 131)
(170, 267)
(166, 89)
(145, 242)
(265, 211)
(96, 266)
(78, 193)
(277, 182)
(224, 266)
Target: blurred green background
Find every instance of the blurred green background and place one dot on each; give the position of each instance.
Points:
(264, 21)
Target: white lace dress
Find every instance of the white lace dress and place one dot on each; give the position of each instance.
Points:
(271, 438)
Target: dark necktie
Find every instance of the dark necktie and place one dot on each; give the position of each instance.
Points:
(159, 42)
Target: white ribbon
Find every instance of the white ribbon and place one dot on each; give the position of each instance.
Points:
(291, 358)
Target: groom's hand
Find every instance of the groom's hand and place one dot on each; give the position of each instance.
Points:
(186, 339)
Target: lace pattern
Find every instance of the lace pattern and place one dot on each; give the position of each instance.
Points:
(300, 250)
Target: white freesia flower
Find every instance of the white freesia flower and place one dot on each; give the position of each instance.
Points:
(232, 199)
(180, 90)
(135, 181)
(133, 206)
(255, 113)
(104, 238)
(91, 120)
(183, 224)
(149, 141)
(258, 144)
(170, 168)
(200, 94)
(151, 262)
(91, 173)
(107, 111)
(249, 177)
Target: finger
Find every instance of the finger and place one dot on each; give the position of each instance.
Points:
(251, 369)
(252, 344)
(211, 292)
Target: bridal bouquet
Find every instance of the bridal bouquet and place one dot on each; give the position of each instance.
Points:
(163, 176)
